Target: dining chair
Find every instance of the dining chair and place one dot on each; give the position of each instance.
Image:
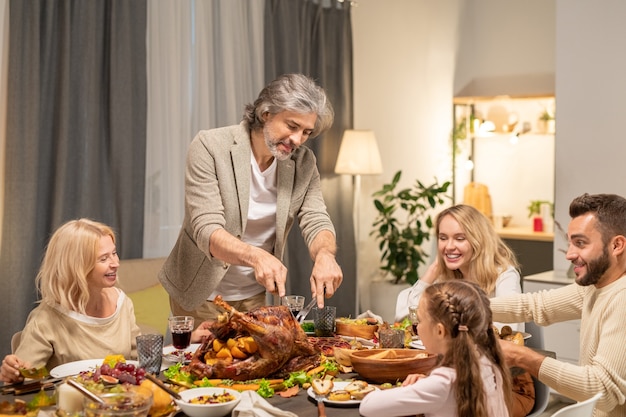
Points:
(542, 391)
(580, 409)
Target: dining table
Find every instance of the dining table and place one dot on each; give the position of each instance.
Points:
(301, 404)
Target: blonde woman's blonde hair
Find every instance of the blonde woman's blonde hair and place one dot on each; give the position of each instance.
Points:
(490, 255)
(69, 259)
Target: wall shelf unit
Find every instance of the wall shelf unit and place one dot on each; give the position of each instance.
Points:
(504, 143)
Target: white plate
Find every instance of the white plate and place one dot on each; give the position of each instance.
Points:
(417, 344)
(74, 368)
(339, 385)
(169, 352)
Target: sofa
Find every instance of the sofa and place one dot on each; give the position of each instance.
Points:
(138, 279)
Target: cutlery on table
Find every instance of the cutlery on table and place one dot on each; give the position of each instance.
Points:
(305, 311)
(92, 396)
(321, 388)
(164, 387)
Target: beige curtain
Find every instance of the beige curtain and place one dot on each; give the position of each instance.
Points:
(75, 133)
(205, 62)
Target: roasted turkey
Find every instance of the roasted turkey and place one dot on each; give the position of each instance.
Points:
(281, 346)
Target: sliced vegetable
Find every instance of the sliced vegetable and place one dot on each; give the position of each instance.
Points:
(34, 373)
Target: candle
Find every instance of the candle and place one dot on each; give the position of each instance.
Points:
(69, 399)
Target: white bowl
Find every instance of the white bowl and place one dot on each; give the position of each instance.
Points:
(207, 410)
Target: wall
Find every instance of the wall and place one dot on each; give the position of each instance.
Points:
(404, 60)
(590, 88)
(410, 58)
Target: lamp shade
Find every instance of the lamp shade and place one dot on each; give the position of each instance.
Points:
(358, 154)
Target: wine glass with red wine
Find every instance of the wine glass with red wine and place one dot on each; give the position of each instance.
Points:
(181, 328)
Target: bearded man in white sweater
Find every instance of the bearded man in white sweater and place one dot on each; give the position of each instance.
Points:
(597, 250)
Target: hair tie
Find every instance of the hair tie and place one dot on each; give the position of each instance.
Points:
(463, 328)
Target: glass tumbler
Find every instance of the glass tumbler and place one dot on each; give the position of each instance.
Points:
(150, 352)
(391, 338)
(324, 321)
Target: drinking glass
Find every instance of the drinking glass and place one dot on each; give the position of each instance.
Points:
(181, 328)
(294, 302)
(150, 352)
(391, 338)
(324, 320)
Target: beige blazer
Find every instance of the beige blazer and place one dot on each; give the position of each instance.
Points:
(217, 192)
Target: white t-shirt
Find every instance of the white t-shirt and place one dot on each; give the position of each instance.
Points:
(239, 282)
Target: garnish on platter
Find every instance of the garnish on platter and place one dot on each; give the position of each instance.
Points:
(105, 374)
(266, 387)
(115, 375)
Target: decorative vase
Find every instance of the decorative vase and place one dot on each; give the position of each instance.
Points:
(383, 296)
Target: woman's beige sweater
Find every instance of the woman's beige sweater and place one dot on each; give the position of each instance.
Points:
(53, 336)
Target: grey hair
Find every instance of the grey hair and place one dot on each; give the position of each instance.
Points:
(291, 92)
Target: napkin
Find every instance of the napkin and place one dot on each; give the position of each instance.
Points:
(253, 405)
(368, 314)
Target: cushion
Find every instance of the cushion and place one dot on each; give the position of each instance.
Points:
(152, 307)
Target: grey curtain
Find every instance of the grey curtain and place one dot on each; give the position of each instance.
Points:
(76, 133)
(315, 38)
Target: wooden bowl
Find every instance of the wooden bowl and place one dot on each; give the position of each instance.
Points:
(366, 331)
(391, 365)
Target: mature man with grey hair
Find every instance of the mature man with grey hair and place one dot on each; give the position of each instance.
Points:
(244, 186)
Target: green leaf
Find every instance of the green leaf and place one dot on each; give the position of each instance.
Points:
(404, 222)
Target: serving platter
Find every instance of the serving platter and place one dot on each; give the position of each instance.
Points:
(417, 343)
(339, 385)
(76, 367)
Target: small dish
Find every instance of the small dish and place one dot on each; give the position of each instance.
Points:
(207, 410)
(339, 385)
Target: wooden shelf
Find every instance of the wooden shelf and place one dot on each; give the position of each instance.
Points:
(525, 233)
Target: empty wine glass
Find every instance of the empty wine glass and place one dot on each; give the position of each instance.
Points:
(181, 328)
(294, 302)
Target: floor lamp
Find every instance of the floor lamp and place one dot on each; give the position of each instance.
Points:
(358, 155)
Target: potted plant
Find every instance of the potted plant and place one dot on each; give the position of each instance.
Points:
(546, 122)
(542, 214)
(403, 224)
